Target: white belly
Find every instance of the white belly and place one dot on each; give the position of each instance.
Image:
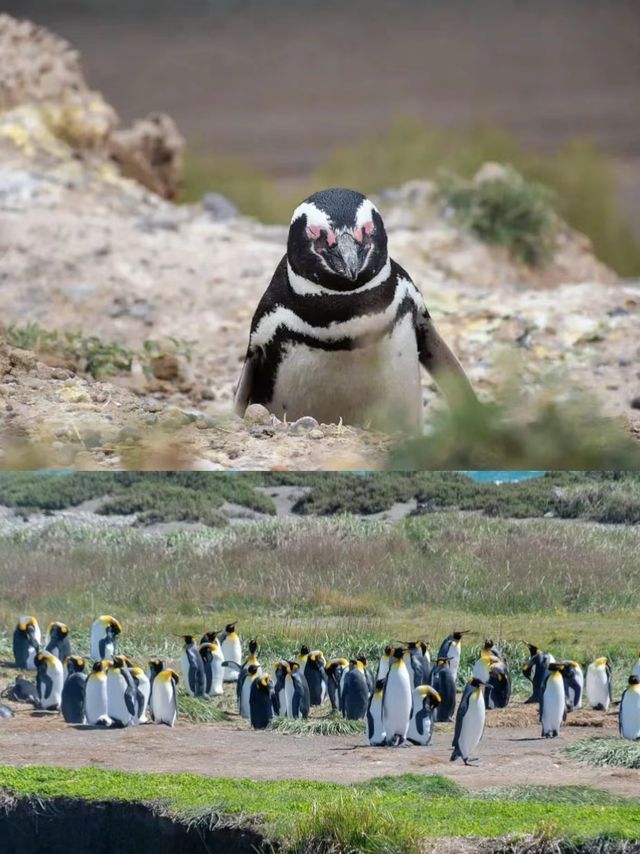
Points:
(397, 703)
(289, 691)
(472, 725)
(95, 701)
(376, 737)
(481, 670)
(630, 714)
(217, 674)
(553, 705)
(162, 703)
(231, 651)
(116, 705)
(425, 736)
(245, 694)
(377, 385)
(597, 687)
(56, 674)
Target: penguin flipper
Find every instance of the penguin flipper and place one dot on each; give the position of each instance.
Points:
(420, 719)
(462, 711)
(244, 390)
(442, 364)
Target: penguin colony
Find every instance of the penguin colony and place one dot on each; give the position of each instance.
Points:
(401, 702)
(341, 331)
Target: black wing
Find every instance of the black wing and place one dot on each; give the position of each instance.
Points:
(462, 711)
(442, 363)
(420, 717)
(620, 711)
(609, 687)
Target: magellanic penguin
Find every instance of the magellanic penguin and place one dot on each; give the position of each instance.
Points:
(535, 670)
(375, 733)
(192, 668)
(231, 650)
(26, 643)
(73, 690)
(122, 699)
(335, 670)
(164, 697)
(469, 721)
(599, 684)
(397, 700)
(104, 634)
(341, 331)
(261, 702)
(49, 681)
(314, 673)
(425, 702)
(552, 701)
(59, 642)
(629, 714)
(573, 679)
(96, 707)
(451, 648)
(143, 692)
(354, 692)
(212, 661)
(442, 681)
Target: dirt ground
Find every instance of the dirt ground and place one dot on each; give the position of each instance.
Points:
(509, 755)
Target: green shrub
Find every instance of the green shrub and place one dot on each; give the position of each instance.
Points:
(611, 752)
(504, 210)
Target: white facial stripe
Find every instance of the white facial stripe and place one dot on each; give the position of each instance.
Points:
(314, 215)
(304, 288)
(366, 324)
(365, 212)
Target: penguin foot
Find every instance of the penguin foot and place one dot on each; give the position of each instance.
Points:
(471, 761)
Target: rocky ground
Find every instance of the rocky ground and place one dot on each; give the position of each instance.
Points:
(83, 248)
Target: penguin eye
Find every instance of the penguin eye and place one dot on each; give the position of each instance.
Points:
(362, 232)
(321, 235)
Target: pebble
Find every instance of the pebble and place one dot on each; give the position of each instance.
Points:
(257, 414)
(302, 425)
(316, 434)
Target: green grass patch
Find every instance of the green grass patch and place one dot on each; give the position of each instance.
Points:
(576, 795)
(504, 210)
(315, 814)
(333, 724)
(612, 752)
(198, 710)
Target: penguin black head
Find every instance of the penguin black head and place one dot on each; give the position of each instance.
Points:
(457, 636)
(99, 666)
(556, 666)
(363, 660)
(265, 683)
(156, 665)
(75, 664)
(304, 649)
(58, 630)
(634, 680)
(188, 639)
(476, 683)
(442, 662)
(252, 669)
(388, 650)
(337, 240)
(230, 628)
(398, 652)
(253, 646)
(533, 649)
(380, 684)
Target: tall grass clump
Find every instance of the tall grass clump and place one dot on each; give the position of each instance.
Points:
(610, 752)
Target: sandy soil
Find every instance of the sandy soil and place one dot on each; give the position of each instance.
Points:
(509, 755)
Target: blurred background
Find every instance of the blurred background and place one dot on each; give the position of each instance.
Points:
(276, 98)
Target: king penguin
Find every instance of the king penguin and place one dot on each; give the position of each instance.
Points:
(535, 670)
(425, 702)
(212, 662)
(334, 671)
(26, 643)
(470, 719)
(629, 714)
(96, 707)
(143, 692)
(192, 668)
(49, 681)
(375, 733)
(72, 701)
(397, 700)
(164, 697)
(341, 331)
(104, 634)
(552, 701)
(231, 650)
(599, 684)
(122, 700)
(314, 673)
(354, 693)
(59, 643)
(573, 679)
(383, 664)
(261, 702)
(243, 692)
(451, 648)
(442, 681)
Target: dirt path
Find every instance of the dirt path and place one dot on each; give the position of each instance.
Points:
(508, 755)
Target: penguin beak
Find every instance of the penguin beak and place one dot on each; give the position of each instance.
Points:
(348, 252)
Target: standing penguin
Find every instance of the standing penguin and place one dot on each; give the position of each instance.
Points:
(552, 701)
(49, 681)
(231, 650)
(375, 733)
(192, 668)
(122, 700)
(96, 707)
(470, 719)
(164, 697)
(354, 693)
(397, 700)
(535, 670)
(443, 683)
(143, 692)
(335, 671)
(420, 662)
(629, 714)
(291, 691)
(383, 664)
(73, 690)
(104, 634)
(26, 643)
(425, 702)
(599, 684)
(156, 665)
(341, 331)
(212, 662)
(573, 679)
(300, 702)
(243, 690)
(451, 648)
(314, 673)
(59, 643)
(261, 702)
